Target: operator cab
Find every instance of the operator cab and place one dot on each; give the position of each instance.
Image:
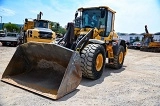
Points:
(41, 23)
(101, 18)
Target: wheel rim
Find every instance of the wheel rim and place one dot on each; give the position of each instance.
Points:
(120, 57)
(99, 62)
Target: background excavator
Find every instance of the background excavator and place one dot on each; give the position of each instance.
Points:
(37, 30)
(148, 44)
(53, 70)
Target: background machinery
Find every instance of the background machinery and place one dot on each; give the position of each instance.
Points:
(10, 39)
(38, 30)
(148, 44)
(53, 70)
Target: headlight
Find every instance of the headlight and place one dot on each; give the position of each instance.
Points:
(30, 32)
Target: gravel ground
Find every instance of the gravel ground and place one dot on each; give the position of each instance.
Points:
(136, 84)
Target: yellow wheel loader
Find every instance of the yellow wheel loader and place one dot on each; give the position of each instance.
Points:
(148, 43)
(37, 30)
(53, 70)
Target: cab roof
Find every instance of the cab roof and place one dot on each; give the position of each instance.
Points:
(41, 20)
(31, 20)
(106, 7)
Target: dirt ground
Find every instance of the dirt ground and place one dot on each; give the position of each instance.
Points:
(136, 84)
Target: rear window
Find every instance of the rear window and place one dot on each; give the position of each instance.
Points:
(11, 35)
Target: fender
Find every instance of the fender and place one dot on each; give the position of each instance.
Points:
(96, 41)
(116, 46)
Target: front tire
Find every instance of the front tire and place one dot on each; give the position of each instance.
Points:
(93, 58)
(15, 44)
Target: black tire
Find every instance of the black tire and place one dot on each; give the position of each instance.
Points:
(15, 44)
(116, 63)
(88, 61)
(3, 44)
(24, 37)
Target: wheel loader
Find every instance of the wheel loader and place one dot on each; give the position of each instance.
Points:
(37, 30)
(148, 44)
(54, 70)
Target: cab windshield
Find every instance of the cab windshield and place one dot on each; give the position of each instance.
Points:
(92, 18)
(41, 24)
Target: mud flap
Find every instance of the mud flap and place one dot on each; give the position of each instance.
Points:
(46, 69)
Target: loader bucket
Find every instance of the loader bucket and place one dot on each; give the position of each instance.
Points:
(46, 69)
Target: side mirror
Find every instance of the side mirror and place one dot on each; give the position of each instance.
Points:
(26, 20)
(102, 13)
(76, 14)
(2, 25)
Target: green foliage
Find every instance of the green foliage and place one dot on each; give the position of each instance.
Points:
(57, 28)
(11, 27)
(62, 30)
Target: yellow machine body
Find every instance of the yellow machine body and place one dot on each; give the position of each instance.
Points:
(38, 30)
(54, 70)
(148, 43)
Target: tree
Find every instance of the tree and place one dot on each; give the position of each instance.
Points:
(57, 28)
(11, 27)
(62, 30)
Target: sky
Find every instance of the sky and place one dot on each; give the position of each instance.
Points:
(131, 15)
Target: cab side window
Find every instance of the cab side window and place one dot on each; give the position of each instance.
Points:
(109, 23)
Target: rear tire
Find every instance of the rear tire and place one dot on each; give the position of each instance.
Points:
(3, 44)
(93, 58)
(118, 58)
(15, 44)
